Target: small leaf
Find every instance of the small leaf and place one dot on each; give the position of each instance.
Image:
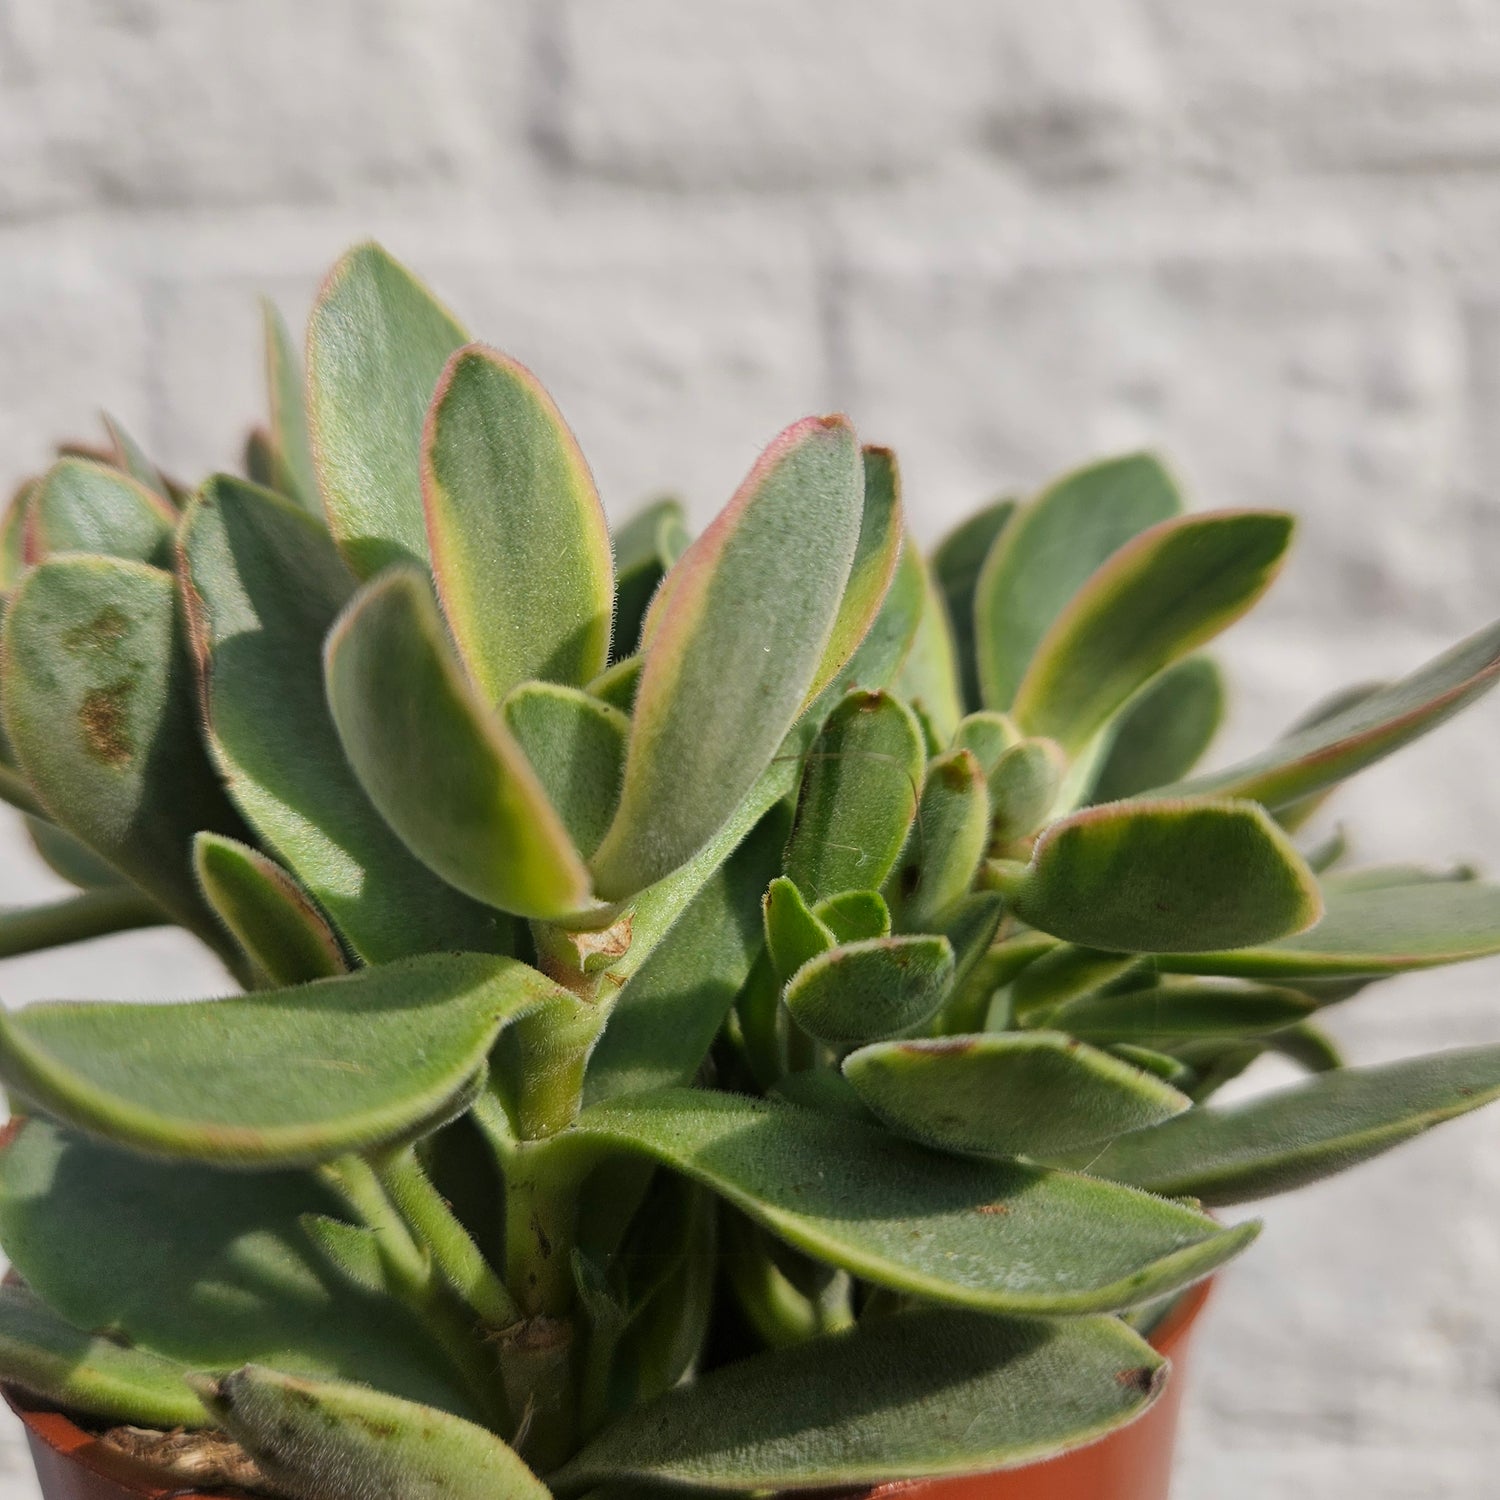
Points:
(292, 470)
(928, 1393)
(78, 506)
(50, 1359)
(858, 992)
(645, 547)
(852, 916)
(945, 845)
(1176, 1009)
(749, 609)
(914, 617)
(997, 1237)
(1161, 735)
(271, 917)
(617, 685)
(325, 1440)
(1295, 1136)
(1040, 1094)
(1159, 877)
(858, 798)
(1333, 749)
(13, 535)
(520, 546)
(1162, 595)
(793, 934)
(351, 1249)
(130, 458)
(1067, 973)
(277, 1077)
(955, 566)
(1049, 551)
(1024, 788)
(989, 735)
(376, 346)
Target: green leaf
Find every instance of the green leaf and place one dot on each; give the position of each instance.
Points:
(520, 546)
(1160, 877)
(617, 684)
(794, 935)
(858, 992)
(13, 535)
(100, 711)
(198, 1265)
(1333, 749)
(444, 771)
(989, 735)
(997, 1237)
(376, 345)
(277, 1077)
(1039, 1094)
(928, 675)
(748, 610)
(1162, 595)
(1177, 1009)
(956, 565)
(928, 1393)
(645, 547)
(1160, 736)
(74, 919)
(1024, 787)
(130, 458)
(859, 796)
(50, 1359)
(293, 472)
(889, 650)
(1066, 973)
(1295, 1136)
(66, 856)
(264, 584)
(1049, 551)
(79, 506)
(352, 1249)
(854, 915)
(325, 1440)
(1384, 930)
(945, 845)
(874, 568)
(268, 914)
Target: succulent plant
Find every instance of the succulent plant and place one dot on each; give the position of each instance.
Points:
(736, 1012)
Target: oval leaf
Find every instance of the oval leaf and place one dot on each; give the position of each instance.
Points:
(793, 934)
(1024, 787)
(80, 506)
(861, 991)
(946, 843)
(1161, 735)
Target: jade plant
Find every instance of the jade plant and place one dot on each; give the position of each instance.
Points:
(736, 1012)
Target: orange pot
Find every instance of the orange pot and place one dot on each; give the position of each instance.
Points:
(1132, 1464)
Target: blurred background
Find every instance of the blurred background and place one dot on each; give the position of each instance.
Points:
(1006, 238)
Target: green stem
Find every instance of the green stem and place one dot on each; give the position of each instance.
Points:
(89, 914)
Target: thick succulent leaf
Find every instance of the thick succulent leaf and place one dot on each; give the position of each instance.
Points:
(66, 856)
(329, 1440)
(1158, 877)
(101, 714)
(928, 1393)
(1380, 930)
(859, 796)
(1333, 749)
(1174, 1010)
(520, 546)
(1160, 736)
(889, 653)
(292, 470)
(376, 346)
(1295, 1136)
(130, 458)
(50, 1359)
(956, 564)
(874, 569)
(989, 735)
(1039, 1094)
(444, 770)
(794, 935)
(278, 1077)
(748, 612)
(352, 1249)
(208, 1267)
(263, 585)
(616, 685)
(928, 676)
(1024, 787)
(268, 914)
(859, 992)
(852, 916)
(79, 506)
(1162, 595)
(945, 845)
(997, 1237)
(645, 547)
(13, 535)
(1049, 551)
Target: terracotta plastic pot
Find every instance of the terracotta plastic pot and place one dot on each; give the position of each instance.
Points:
(1132, 1464)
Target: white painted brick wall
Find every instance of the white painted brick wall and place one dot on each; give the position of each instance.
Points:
(1005, 237)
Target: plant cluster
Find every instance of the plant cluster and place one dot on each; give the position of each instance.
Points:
(735, 1012)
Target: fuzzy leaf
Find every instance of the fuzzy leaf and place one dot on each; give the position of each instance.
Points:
(1039, 1095)
(747, 614)
(1160, 736)
(377, 343)
(889, 650)
(66, 856)
(956, 564)
(1333, 749)
(520, 546)
(852, 916)
(352, 1249)
(859, 992)
(293, 473)
(130, 458)
(989, 735)
(79, 506)
(997, 1237)
(945, 845)
(271, 917)
(1159, 877)
(445, 773)
(1178, 1009)
(264, 584)
(1295, 1136)
(933, 1392)
(1049, 551)
(928, 668)
(1066, 973)
(13, 535)
(645, 547)
(1162, 595)
(859, 795)
(793, 934)
(100, 711)
(1023, 788)
(277, 1077)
